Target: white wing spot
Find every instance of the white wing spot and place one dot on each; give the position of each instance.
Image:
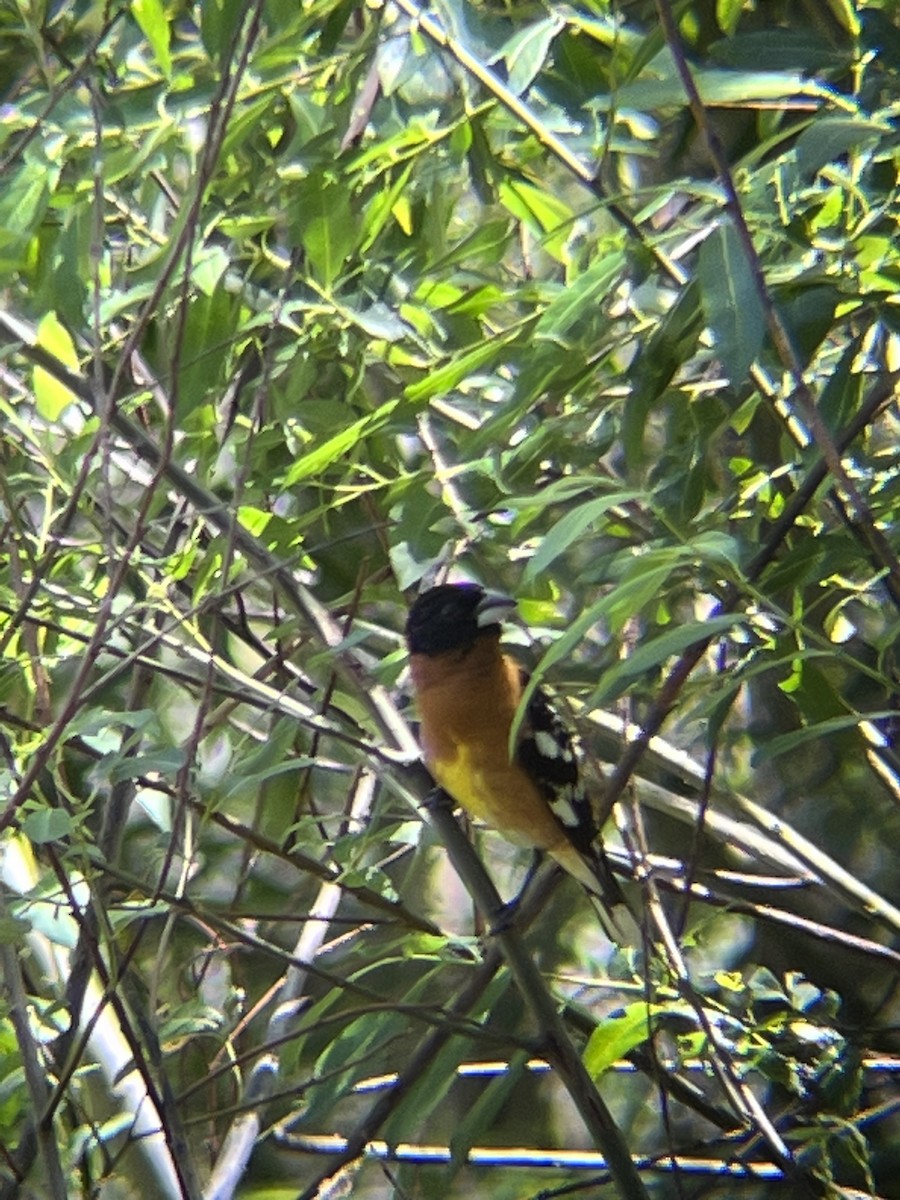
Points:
(564, 810)
(549, 746)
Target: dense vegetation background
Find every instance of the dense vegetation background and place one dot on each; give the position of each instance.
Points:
(302, 303)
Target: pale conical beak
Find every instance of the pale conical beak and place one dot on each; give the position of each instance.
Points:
(494, 609)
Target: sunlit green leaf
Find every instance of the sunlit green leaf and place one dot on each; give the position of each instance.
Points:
(152, 18)
(586, 293)
(449, 376)
(526, 51)
(728, 13)
(570, 528)
(845, 13)
(337, 447)
(625, 1029)
(51, 396)
(543, 212)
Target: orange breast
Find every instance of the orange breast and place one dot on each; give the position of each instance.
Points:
(467, 703)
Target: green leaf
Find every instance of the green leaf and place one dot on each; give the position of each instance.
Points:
(245, 228)
(820, 731)
(52, 397)
(564, 646)
(446, 378)
(151, 17)
(323, 221)
(209, 324)
(657, 650)
(47, 825)
(717, 87)
(335, 448)
(13, 930)
(272, 758)
(494, 1097)
(716, 546)
(642, 582)
(619, 1033)
(570, 528)
(844, 12)
(800, 561)
(782, 50)
(246, 125)
(731, 303)
(211, 265)
(548, 216)
(526, 52)
(658, 359)
(485, 244)
(23, 202)
(671, 341)
(191, 1019)
(167, 760)
(585, 293)
(380, 209)
(843, 391)
(557, 492)
(808, 315)
(828, 139)
(336, 1070)
(428, 1093)
(219, 20)
(378, 321)
(728, 13)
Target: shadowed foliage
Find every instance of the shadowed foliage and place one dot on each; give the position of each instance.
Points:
(304, 304)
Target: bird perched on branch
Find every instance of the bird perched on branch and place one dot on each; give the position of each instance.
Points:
(468, 693)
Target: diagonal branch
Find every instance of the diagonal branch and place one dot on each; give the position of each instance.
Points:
(668, 693)
(803, 396)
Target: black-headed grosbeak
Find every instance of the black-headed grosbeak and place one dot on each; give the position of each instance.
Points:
(468, 692)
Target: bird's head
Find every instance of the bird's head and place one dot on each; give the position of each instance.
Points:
(452, 616)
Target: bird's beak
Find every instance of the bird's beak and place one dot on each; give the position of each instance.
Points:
(493, 609)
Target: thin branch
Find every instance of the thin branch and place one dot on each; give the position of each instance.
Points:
(208, 506)
(554, 145)
(778, 331)
(39, 1132)
(244, 1133)
(525, 1157)
(558, 1046)
(670, 689)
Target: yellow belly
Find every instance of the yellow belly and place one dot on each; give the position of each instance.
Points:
(468, 706)
(499, 793)
(483, 791)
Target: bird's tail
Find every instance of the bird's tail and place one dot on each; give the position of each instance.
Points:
(594, 873)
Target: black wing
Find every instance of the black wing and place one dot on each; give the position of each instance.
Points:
(548, 750)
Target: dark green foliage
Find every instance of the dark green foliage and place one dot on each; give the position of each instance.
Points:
(348, 294)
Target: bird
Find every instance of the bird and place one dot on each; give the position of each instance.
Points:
(468, 692)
